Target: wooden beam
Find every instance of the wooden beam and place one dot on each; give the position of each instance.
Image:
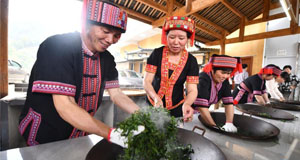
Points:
(233, 9)
(293, 10)
(170, 6)
(222, 45)
(294, 21)
(260, 20)
(3, 48)
(215, 34)
(188, 5)
(242, 29)
(275, 5)
(198, 38)
(197, 5)
(154, 5)
(271, 34)
(138, 16)
(266, 9)
(201, 18)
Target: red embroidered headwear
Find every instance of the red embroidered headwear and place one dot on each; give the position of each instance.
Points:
(224, 61)
(103, 13)
(271, 69)
(178, 22)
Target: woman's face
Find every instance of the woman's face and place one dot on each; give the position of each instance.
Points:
(100, 38)
(220, 76)
(269, 77)
(279, 80)
(176, 40)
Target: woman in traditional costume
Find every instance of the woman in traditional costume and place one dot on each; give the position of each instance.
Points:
(170, 66)
(254, 88)
(214, 85)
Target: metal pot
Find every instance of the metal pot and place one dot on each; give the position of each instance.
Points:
(266, 112)
(204, 149)
(286, 105)
(248, 127)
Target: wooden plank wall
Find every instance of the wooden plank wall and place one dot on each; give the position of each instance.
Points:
(3, 48)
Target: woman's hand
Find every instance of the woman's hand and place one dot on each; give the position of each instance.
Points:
(158, 102)
(282, 99)
(188, 112)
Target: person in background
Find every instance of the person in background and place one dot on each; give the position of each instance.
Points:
(170, 66)
(68, 79)
(290, 84)
(240, 77)
(213, 86)
(272, 86)
(254, 87)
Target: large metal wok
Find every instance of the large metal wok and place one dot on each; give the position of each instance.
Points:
(266, 112)
(286, 105)
(204, 149)
(248, 127)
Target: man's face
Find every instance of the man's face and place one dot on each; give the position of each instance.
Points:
(287, 70)
(100, 37)
(220, 76)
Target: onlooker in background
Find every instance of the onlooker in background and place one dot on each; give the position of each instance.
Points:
(253, 89)
(290, 84)
(272, 86)
(240, 77)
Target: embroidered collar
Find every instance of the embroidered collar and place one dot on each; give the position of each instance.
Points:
(260, 76)
(166, 83)
(214, 91)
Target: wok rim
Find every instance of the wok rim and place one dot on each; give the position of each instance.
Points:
(274, 135)
(296, 107)
(269, 117)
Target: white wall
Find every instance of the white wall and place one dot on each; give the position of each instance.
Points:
(282, 50)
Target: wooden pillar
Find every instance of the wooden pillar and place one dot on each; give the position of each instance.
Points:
(294, 13)
(222, 44)
(242, 29)
(170, 5)
(188, 5)
(3, 48)
(266, 9)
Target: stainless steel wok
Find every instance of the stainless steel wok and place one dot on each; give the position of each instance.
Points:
(204, 149)
(286, 105)
(248, 127)
(266, 112)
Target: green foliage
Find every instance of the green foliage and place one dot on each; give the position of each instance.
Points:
(265, 115)
(157, 141)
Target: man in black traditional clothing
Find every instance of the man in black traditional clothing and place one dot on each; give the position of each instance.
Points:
(68, 79)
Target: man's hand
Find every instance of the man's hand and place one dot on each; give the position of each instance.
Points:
(188, 112)
(229, 127)
(115, 136)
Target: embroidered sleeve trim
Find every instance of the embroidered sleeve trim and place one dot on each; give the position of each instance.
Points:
(34, 119)
(192, 79)
(53, 88)
(150, 68)
(227, 100)
(256, 92)
(201, 102)
(112, 84)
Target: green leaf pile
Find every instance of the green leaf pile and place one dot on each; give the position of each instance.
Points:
(158, 141)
